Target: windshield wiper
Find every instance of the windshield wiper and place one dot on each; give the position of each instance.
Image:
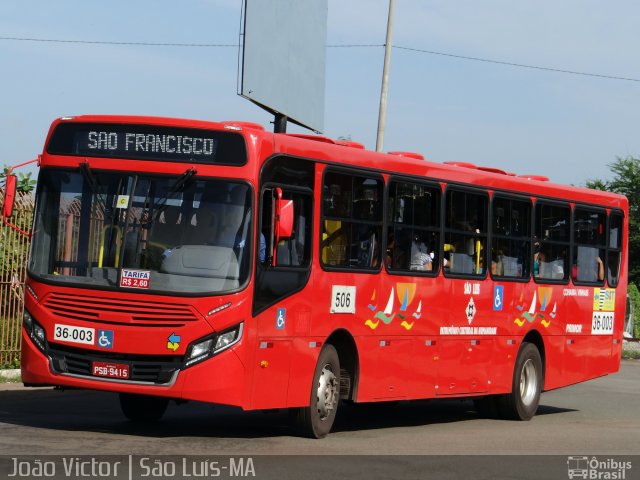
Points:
(180, 184)
(183, 180)
(85, 169)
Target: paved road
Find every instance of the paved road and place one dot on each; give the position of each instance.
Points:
(594, 418)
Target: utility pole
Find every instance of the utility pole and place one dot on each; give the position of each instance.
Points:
(382, 115)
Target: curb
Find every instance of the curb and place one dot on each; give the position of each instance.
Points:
(10, 373)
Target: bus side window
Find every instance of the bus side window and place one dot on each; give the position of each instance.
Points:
(413, 235)
(466, 231)
(552, 232)
(351, 224)
(334, 243)
(614, 253)
(511, 237)
(589, 236)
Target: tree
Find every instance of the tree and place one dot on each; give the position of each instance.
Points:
(626, 181)
(25, 183)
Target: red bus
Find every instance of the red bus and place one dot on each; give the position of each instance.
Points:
(218, 262)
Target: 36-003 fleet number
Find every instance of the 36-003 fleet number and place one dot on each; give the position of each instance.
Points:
(602, 323)
(68, 333)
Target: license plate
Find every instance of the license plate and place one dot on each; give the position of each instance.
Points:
(68, 333)
(110, 370)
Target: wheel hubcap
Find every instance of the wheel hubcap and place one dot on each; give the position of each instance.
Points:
(528, 382)
(327, 392)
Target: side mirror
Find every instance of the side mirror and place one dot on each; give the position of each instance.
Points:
(10, 188)
(9, 196)
(282, 220)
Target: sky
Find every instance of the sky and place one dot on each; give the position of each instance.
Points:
(529, 121)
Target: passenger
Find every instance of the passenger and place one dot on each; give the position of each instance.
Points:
(539, 261)
(420, 259)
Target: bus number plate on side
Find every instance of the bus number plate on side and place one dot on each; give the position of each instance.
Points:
(110, 370)
(343, 299)
(602, 323)
(68, 333)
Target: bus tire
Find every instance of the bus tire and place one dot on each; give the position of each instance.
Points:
(522, 402)
(316, 420)
(143, 408)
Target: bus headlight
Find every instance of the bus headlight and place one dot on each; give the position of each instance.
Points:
(228, 338)
(35, 331)
(210, 346)
(200, 349)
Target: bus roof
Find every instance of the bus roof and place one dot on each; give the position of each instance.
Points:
(353, 154)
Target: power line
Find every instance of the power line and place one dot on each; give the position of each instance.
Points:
(102, 42)
(520, 65)
(354, 45)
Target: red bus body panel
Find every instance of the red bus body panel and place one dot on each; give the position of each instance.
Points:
(425, 347)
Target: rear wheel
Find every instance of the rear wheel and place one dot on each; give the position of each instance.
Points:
(522, 402)
(143, 408)
(316, 420)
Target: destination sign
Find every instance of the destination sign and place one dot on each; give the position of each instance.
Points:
(148, 142)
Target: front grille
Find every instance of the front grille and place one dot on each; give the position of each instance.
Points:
(158, 369)
(118, 312)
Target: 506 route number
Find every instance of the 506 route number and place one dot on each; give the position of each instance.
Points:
(343, 299)
(68, 333)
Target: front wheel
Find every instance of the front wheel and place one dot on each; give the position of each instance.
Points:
(522, 402)
(316, 420)
(143, 408)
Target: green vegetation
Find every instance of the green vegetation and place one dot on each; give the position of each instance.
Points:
(11, 364)
(10, 379)
(25, 183)
(634, 297)
(631, 354)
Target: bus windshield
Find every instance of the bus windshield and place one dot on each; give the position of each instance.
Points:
(126, 231)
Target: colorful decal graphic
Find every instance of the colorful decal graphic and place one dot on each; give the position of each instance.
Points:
(173, 342)
(538, 308)
(604, 302)
(372, 305)
(604, 299)
(417, 313)
(470, 311)
(407, 325)
(405, 293)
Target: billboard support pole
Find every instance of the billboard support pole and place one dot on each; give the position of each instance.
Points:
(382, 115)
(280, 123)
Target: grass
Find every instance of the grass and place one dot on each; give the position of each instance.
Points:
(631, 354)
(4, 379)
(10, 329)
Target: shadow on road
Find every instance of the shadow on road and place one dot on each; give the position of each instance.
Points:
(92, 411)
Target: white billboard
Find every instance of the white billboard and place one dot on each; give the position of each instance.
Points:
(284, 56)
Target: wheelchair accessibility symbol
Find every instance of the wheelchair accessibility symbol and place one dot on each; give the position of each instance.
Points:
(498, 297)
(105, 338)
(281, 316)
